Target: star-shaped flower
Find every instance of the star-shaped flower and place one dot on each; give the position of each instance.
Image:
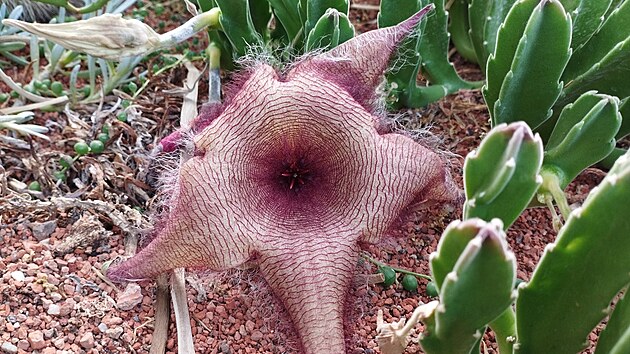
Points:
(293, 174)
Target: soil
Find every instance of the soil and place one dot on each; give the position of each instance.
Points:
(54, 243)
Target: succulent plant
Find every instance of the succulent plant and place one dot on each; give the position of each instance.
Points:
(426, 54)
(293, 172)
(569, 293)
(502, 175)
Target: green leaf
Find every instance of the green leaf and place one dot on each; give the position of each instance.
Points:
(433, 44)
(502, 175)
(458, 27)
(238, 26)
(614, 31)
(615, 338)
(584, 134)
(434, 50)
(332, 29)
(580, 273)
(261, 15)
(624, 109)
(508, 38)
(315, 9)
(531, 87)
(286, 11)
(485, 18)
(587, 16)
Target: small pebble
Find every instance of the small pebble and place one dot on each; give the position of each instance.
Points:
(9, 348)
(129, 298)
(102, 327)
(87, 341)
(42, 230)
(36, 340)
(54, 309)
(114, 333)
(18, 276)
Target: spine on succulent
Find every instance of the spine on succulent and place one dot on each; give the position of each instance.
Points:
(615, 338)
(530, 86)
(475, 273)
(597, 65)
(502, 175)
(584, 134)
(459, 28)
(485, 18)
(332, 29)
(433, 44)
(578, 275)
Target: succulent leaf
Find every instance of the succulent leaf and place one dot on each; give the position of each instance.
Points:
(450, 247)
(286, 12)
(261, 15)
(601, 63)
(584, 134)
(574, 282)
(615, 338)
(476, 291)
(315, 9)
(433, 45)
(485, 18)
(502, 175)
(508, 38)
(332, 29)
(588, 16)
(615, 30)
(238, 26)
(434, 50)
(624, 110)
(459, 28)
(531, 87)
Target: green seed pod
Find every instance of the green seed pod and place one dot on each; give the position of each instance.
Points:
(57, 88)
(102, 137)
(410, 283)
(59, 176)
(35, 186)
(122, 116)
(4, 97)
(389, 274)
(66, 161)
(431, 289)
(97, 146)
(81, 148)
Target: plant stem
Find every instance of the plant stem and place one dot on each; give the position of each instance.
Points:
(397, 270)
(162, 317)
(185, 342)
(504, 328)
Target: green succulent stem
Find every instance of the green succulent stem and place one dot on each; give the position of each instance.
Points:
(397, 270)
(78, 10)
(504, 328)
(551, 188)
